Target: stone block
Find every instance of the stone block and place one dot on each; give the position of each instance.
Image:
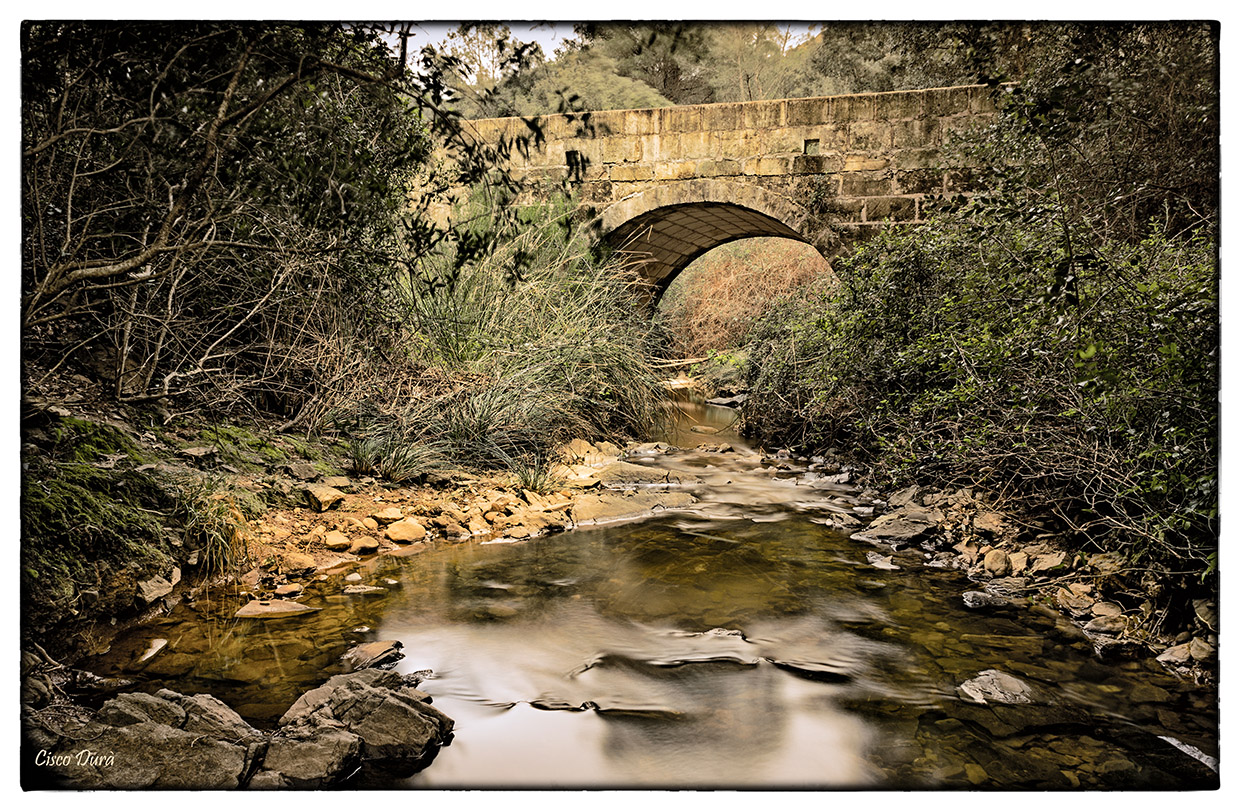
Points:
(855, 185)
(767, 166)
(620, 149)
(641, 122)
(740, 145)
(921, 132)
(697, 145)
(870, 135)
(984, 99)
(719, 168)
(815, 164)
(917, 159)
(808, 112)
(947, 101)
(675, 170)
(919, 181)
(630, 172)
(890, 208)
(760, 115)
(864, 163)
(680, 119)
(851, 108)
(897, 106)
(652, 146)
(721, 117)
(844, 208)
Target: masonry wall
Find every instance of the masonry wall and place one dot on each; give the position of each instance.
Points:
(864, 159)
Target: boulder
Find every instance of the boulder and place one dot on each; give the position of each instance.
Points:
(322, 498)
(165, 741)
(308, 759)
(339, 482)
(406, 530)
(365, 545)
(289, 590)
(393, 720)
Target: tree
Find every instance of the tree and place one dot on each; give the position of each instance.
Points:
(205, 205)
(666, 56)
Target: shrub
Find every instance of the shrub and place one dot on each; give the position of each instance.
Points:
(945, 359)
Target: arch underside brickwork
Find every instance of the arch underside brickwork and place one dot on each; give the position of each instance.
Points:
(661, 230)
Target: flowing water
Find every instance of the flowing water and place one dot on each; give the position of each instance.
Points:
(740, 643)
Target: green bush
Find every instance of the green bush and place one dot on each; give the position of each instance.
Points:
(976, 355)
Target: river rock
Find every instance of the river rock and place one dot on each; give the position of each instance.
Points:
(996, 686)
(337, 541)
(339, 482)
(388, 515)
(1176, 655)
(616, 506)
(1200, 649)
(1110, 625)
(908, 497)
(618, 473)
(405, 531)
(996, 563)
(880, 561)
(380, 653)
(393, 720)
(1047, 562)
(151, 590)
(904, 526)
(322, 498)
(989, 524)
(1105, 609)
(1018, 562)
(308, 759)
(289, 590)
(165, 741)
(980, 599)
(357, 589)
(364, 545)
(303, 471)
(272, 609)
(296, 563)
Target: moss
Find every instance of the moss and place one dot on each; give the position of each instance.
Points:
(85, 441)
(80, 525)
(244, 447)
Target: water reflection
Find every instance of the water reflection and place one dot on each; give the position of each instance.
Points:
(708, 648)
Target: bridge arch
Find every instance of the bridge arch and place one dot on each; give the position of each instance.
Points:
(662, 229)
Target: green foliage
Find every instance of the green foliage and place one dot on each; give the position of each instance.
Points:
(394, 457)
(534, 473)
(944, 359)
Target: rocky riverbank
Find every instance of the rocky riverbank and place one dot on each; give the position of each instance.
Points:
(1017, 563)
(371, 719)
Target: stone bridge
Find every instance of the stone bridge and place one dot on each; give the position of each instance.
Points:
(666, 185)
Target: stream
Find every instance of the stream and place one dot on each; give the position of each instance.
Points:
(740, 643)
